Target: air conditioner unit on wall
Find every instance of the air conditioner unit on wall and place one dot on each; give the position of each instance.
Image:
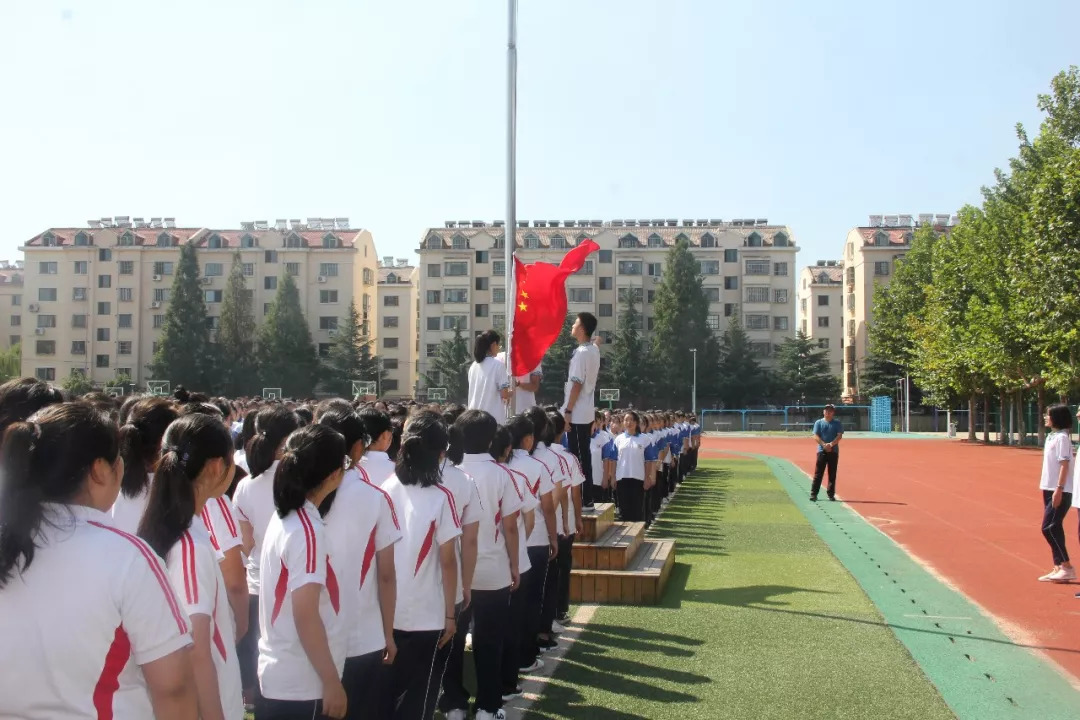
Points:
(39, 331)
(156, 304)
(34, 307)
(206, 280)
(157, 278)
(322, 278)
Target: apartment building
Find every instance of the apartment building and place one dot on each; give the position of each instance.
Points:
(397, 321)
(748, 268)
(11, 292)
(95, 297)
(821, 309)
(870, 255)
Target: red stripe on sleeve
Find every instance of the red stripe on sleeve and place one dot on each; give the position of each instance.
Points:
(453, 505)
(309, 538)
(389, 501)
(227, 514)
(209, 527)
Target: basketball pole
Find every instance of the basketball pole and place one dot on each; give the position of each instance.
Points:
(510, 235)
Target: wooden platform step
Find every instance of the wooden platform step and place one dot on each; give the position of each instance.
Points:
(642, 583)
(614, 550)
(595, 523)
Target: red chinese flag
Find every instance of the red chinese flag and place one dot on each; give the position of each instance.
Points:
(540, 307)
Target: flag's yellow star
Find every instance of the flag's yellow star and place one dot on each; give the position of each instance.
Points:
(522, 307)
(524, 294)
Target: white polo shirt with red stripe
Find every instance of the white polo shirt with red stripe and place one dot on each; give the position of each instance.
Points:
(196, 577)
(528, 504)
(577, 477)
(220, 522)
(94, 605)
(361, 522)
(378, 465)
(294, 554)
(427, 523)
(560, 475)
(126, 512)
(465, 503)
(540, 484)
(500, 498)
(254, 502)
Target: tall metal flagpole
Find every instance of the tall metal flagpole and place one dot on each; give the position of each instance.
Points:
(511, 188)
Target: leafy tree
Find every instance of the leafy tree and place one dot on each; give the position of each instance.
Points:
(287, 357)
(556, 364)
(185, 355)
(450, 367)
(803, 372)
(624, 368)
(901, 305)
(11, 363)
(77, 383)
(879, 376)
(350, 357)
(681, 314)
(741, 379)
(236, 336)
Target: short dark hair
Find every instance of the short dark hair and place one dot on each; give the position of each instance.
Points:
(477, 430)
(588, 321)
(422, 443)
(376, 422)
(483, 344)
(830, 406)
(520, 427)
(1060, 417)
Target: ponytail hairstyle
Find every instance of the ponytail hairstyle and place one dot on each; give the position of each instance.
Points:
(140, 441)
(541, 424)
(312, 454)
(125, 408)
(22, 397)
(376, 422)
(397, 427)
(422, 444)
(501, 444)
(247, 430)
(483, 343)
(189, 443)
(520, 427)
(558, 424)
(46, 460)
(456, 451)
(343, 419)
(181, 394)
(304, 413)
(272, 426)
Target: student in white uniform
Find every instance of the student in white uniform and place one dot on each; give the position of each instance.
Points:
(498, 559)
(254, 501)
(302, 632)
(91, 627)
(579, 402)
(426, 561)
(524, 386)
(489, 385)
(380, 432)
(196, 466)
(630, 468)
(578, 480)
(140, 444)
(362, 528)
(544, 432)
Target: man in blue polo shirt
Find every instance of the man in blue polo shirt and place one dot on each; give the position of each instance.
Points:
(828, 431)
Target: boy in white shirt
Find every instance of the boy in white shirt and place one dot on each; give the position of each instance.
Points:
(579, 402)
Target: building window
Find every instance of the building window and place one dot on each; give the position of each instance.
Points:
(851, 328)
(654, 269)
(823, 300)
(708, 241)
(498, 321)
(579, 295)
(651, 295)
(779, 269)
(47, 268)
(46, 294)
(434, 297)
(823, 343)
(159, 322)
(163, 268)
(292, 240)
(498, 267)
(532, 242)
(456, 295)
(731, 282)
(434, 323)
(104, 308)
(558, 242)
(102, 335)
(389, 385)
(628, 294)
(481, 310)
(607, 283)
(124, 321)
(498, 295)
(481, 256)
(270, 282)
(101, 361)
(481, 283)
(214, 270)
(104, 255)
(604, 256)
(456, 269)
(823, 322)
(780, 296)
(434, 270)
(779, 323)
(881, 268)
(627, 241)
(124, 295)
(247, 241)
(46, 321)
(757, 267)
(324, 349)
(293, 269)
(328, 297)
(780, 240)
(248, 269)
(851, 302)
(104, 281)
(757, 322)
(650, 323)
(606, 310)
(712, 294)
(754, 240)
(655, 241)
(123, 347)
(46, 347)
(16, 300)
(266, 308)
(126, 267)
(453, 322)
(161, 295)
(78, 347)
(78, 321)
(709, 267)
(328, 322)
(45, 373)
(757, 294)
(731, 256)
(760, 349)
(388, 343)
(328, 269)
(330, 242)
(629, 267)
(81, 267)
(270, 256)
(712, 321)
(390, 321)
(16, 321)
(585, 269)
(213, 296)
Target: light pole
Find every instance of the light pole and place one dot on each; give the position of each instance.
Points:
(693, 393)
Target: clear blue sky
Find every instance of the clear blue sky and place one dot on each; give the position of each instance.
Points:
(392, 112)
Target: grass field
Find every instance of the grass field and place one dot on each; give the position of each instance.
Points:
(759, 621)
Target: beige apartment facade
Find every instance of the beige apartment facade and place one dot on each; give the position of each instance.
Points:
(870, 256)
(95, 298)
(397, 319)
(11, 292)
(748, 268)
(821, 309)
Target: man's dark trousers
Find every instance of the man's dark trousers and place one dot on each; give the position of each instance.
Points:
(577, 441)
(825, 460)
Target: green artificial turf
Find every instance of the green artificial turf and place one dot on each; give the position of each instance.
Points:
(759, 620)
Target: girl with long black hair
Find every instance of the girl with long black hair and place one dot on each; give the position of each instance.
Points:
(140, 445)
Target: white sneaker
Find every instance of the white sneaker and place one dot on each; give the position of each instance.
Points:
(485, 715)
(536, 665)
(557, 628)
(468, 641)
(456, 715)
(1063, 575)
(508, 696)
(1049, 576)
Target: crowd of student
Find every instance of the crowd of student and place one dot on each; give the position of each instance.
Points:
(187, 557)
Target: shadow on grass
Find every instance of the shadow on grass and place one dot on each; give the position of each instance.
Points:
(758, 596)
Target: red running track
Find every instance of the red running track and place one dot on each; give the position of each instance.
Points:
(970, 513)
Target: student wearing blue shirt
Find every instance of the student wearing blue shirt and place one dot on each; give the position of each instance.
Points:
(828, 431)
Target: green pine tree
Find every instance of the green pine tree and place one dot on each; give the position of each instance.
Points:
(77, 383)
(741, 381)
(556, 364)
(287, 357)
(11, 363)
(803, 375)
(350, 357)
(236, 336)
(450, 367)
(624, 369)
(185, 355)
